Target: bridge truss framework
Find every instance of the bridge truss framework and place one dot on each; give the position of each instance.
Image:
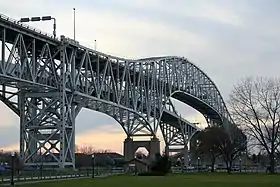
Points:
(53, 79)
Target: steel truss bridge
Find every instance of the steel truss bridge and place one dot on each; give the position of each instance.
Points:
(46, 81)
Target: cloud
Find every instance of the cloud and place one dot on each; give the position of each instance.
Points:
(9, 135)
(8, 119)
(88, 119)
(227, 39)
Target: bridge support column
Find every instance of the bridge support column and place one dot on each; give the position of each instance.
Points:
(186, 155)
(166, 150)
(130, 146)
(154, 147)
(47, 129)
(128, 149)
(193, 147)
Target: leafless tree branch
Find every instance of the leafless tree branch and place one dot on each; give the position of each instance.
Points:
(255, 105)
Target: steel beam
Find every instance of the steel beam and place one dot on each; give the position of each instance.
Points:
(56, 79)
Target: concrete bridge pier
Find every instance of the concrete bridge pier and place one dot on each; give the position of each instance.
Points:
(154, 148)
(193, 153)
(186, 155)
(167, 151)
(130, 147)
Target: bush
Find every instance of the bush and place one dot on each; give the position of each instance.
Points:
(151, 173)
(161, 164)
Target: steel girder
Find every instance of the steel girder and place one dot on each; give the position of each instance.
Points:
(177, 131)
(137, 90)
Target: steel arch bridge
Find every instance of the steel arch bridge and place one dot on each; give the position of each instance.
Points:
(54, 79)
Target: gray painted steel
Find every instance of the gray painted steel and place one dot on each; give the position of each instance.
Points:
(54, 78)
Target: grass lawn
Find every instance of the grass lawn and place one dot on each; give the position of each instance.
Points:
(193, 180)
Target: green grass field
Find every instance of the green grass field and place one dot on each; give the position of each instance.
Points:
(193, 180)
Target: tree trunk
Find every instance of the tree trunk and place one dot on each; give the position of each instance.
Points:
(229, 166)
(213, 163)
(271, 164)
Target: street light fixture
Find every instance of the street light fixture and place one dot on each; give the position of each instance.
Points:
(92, 162)
(13, 154)
(44, 18)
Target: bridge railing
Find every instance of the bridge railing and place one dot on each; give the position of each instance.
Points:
(2, 16)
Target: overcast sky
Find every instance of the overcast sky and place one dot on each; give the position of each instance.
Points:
(227, 39)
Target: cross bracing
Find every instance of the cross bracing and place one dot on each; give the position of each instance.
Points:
(54, 78)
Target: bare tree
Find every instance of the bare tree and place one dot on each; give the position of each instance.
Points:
(88, 149)
(209, 144)
(85, 149)
(103, 151)
(216, 141)
(255, 105)
(77, 149)
(140, 154)
(232, 145)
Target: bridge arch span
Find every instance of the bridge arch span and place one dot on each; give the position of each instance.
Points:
(51, 73)
(130, 121)
(198, 104)
(181, 79)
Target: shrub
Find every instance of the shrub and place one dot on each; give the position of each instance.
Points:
(161, 165)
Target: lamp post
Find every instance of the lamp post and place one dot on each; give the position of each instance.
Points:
(240, 164)
(198, 159)
(92, 162)
(44, 18)
(13, 154)
(74, 10)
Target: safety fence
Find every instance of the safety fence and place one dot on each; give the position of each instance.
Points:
(20, 176)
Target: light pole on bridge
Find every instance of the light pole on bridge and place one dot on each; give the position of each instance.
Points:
(43, 18)
(74, 10)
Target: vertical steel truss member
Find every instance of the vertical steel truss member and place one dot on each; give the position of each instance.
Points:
(47, 127)
(47, 117)
(54, 79)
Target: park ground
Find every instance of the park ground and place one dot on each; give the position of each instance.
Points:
(193, 180)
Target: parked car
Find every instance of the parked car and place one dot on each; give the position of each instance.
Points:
(2, 169)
